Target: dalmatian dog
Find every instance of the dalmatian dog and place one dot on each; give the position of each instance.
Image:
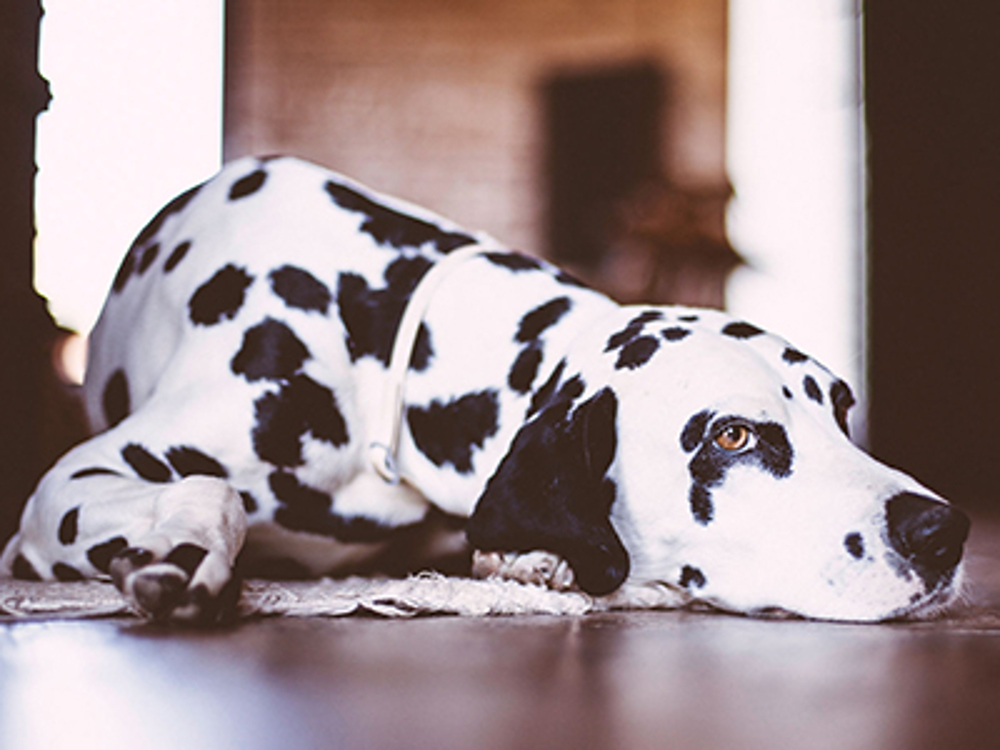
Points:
(292, 371)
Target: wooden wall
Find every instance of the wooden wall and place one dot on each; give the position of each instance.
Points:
(438, 101)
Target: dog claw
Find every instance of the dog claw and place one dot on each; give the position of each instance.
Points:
(537, 567)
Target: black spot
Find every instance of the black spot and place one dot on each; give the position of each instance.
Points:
(64, 572)
(23, 570)
(564, 277)
(786, 392)
(688, 318)
(93, 471)
(148, 256)
(535, 322)
(270, 351)
(695, 429)
(854, 545)
(676, 333)
(301, 502)
(176, 256)
(371, 316)
(250, 504)
(100, 555)
(544, 395)
(710, 464)
(525, 368)
(247, 185)
(69, 526)
(637, 352)
(648, 316)
(793, 356)
(447, 433)
(145, 464)
(700, 500)
(115, 400)
(188, 461)
(124, 272)
(741, 330)
(147, 233)
(812, 389)
(423, 350)
(691, 576)
(632, 329)
(842, 400)
(302, 406)
(622, 337)
(300, 289)
(389, 227)
(307, 509)
(187, 557)
(513, 261)
(220, 297)
(532, 326)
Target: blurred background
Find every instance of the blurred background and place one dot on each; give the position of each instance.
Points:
(825, 169)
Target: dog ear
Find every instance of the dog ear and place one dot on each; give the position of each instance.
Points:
(551, 492)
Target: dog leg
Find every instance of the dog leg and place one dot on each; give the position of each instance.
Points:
(169, 543)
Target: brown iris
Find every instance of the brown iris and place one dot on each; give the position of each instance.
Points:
(734, 437)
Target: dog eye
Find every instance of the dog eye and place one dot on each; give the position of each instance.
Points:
(734, 437)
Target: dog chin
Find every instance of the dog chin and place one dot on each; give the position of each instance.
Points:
(930, 606)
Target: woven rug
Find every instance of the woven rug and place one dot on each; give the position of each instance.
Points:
(420, 594)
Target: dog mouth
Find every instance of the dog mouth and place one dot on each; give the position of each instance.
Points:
(934, 604)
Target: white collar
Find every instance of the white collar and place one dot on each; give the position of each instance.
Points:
(384, 444)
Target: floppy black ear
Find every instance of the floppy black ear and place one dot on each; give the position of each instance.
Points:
(551, 492)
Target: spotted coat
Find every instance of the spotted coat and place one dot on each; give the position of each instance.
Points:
(238, 370)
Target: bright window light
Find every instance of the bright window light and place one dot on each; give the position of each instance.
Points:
(793, 153)
(135, 118)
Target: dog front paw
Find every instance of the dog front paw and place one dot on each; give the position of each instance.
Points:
(536, 567)
(189, 584)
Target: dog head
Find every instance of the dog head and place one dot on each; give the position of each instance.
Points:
(682, 447)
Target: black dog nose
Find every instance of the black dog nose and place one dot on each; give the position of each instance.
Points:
(928, 533)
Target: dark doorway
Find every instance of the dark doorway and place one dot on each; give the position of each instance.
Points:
(604, 131)
(934, 307)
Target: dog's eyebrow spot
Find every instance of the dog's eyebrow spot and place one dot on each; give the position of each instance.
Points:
(694, 430)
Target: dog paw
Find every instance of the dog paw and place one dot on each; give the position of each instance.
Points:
(187, 584)
(537, 567)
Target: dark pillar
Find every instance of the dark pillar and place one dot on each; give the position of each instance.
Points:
(933, 107)
(26, 331)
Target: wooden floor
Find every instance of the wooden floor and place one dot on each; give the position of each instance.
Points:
(639, 680)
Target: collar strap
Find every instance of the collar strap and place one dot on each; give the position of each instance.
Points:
(384, 444)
